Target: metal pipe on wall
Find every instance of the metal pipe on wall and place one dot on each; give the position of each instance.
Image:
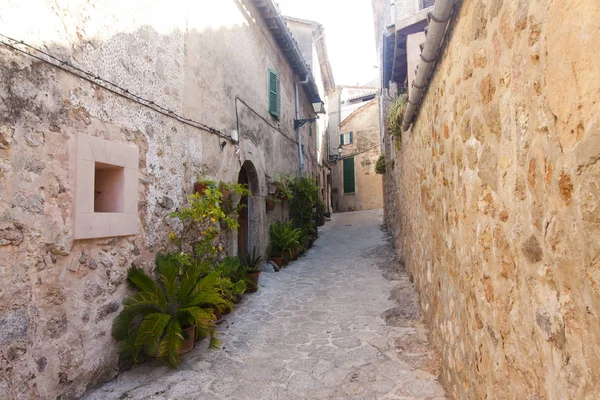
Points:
(299, 137)
(442, 11)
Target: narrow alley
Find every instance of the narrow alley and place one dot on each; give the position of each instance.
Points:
(315, 330)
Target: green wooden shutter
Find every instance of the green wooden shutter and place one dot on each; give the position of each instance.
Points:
(342, 139)
(273, 93)
(350, 136)
(349, 186)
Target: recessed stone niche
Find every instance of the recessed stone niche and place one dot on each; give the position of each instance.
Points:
(106, 188)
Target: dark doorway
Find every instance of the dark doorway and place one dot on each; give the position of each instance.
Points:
(249, 232)
(243, 219)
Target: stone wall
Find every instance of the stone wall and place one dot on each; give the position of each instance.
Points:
(497, 206)
(58, 295)
(364, 123)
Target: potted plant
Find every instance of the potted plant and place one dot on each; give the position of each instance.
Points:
(320, 213)
(230, 195)
(284, 239)
(271, 202)
(251, 263)
(225, 189)
(166, 313)
(284, 191)
(202, 184)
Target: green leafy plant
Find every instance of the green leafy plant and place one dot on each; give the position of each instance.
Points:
(303, 205)
(283, 188)
(231, 193)
(206, 182)
(271, 201)
(320, 213)
(395, 118)
(232, 270)
(284, 238)
(251, 262)
(380, 165)
(158, 313)
(202, 220)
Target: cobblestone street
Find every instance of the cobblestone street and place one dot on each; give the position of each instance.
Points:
(329, 326)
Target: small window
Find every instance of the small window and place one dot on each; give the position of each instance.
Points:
(427, 3)
(346, 138)
(349, 184)
(109, 188)
(273, 79)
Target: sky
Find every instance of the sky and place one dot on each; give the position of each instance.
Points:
(349, 34)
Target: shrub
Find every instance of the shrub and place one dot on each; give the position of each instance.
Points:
(395, 118)
(284, 238)
(161, 309)
(380, 165)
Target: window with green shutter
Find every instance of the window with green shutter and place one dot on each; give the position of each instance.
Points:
(273, 93)
(349, 186)
(346, 138)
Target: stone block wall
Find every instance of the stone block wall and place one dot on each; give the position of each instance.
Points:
(495, 201)
(59, 295)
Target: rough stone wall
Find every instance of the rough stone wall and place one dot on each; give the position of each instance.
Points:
(364, 124)
(58, 296)
(499, 201)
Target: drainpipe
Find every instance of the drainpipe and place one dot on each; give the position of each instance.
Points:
(442, 11)
(300, 155)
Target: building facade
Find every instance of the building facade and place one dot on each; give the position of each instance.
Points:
(310, 36)
(354, 147)
(493, 199)
(108, 117)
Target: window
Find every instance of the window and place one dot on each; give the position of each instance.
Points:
(106, 188)
(109, 185)
(346, 138)
(273, 79)
(349, 186)
(427, 3)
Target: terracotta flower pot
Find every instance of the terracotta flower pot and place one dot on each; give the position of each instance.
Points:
(277, 260)
(186, 347)
(311, 241)
(286, 258)
(226, 194)
(188, 341)
(254, 278)
(200, 187)
(223, 225)
(218, 316)
(295, 254)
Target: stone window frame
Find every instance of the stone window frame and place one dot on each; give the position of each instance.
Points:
(90, 224)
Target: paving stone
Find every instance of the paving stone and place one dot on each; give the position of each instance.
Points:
(313, 331)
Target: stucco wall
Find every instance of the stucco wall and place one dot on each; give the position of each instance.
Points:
(58, 296)
(364, 124)
(499, 202)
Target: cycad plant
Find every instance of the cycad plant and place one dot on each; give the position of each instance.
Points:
(158, 313)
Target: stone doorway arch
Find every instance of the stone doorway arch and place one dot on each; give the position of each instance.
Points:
(246, 241)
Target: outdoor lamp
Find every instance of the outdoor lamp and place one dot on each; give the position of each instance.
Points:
(319, 107)
(340, 149)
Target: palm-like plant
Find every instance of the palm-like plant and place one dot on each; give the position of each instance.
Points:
(158, 313)
(284, 238)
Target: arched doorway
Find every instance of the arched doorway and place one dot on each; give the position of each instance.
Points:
(247, 176)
